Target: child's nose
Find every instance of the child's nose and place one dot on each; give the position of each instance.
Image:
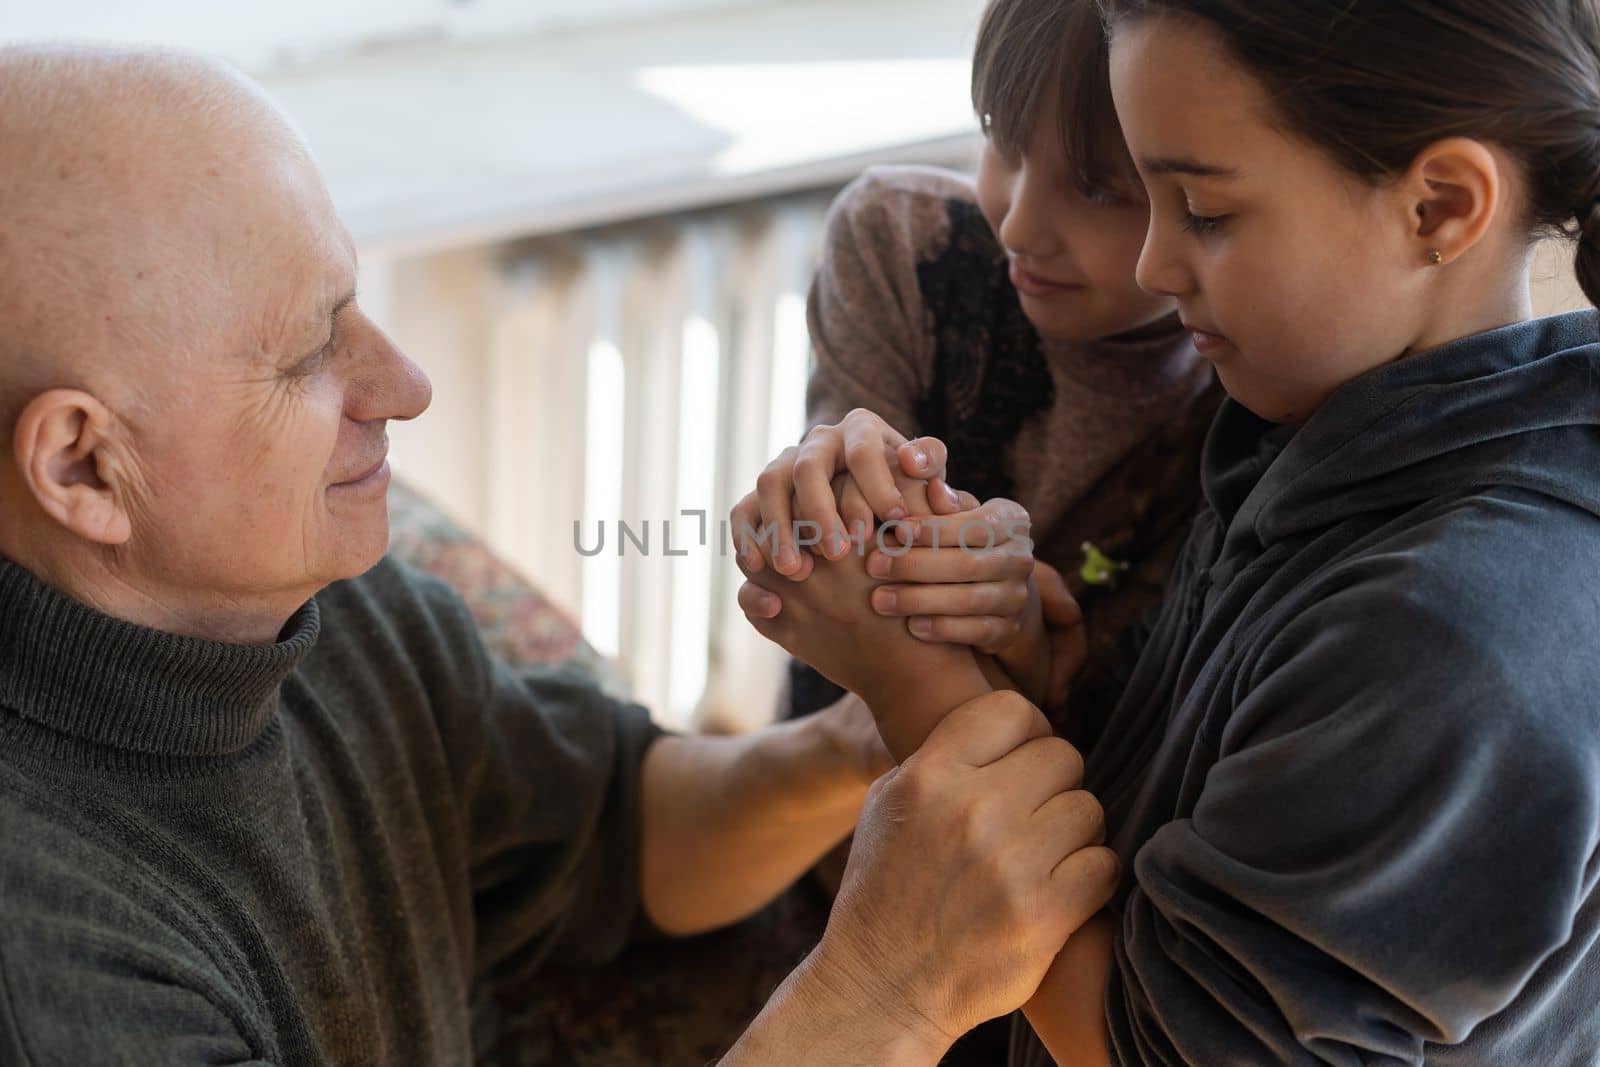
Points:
(1027, 230)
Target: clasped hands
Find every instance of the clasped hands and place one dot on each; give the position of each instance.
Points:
(854, 535)
(979, 855)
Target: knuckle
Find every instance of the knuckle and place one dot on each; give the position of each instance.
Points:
(809, 465)
(855, 415)
(862, 451)
(1066, 754)
(972, 825)
(775, 474)
(1088, 812)
(1011, 705)
(911, 785)
(1102, 868)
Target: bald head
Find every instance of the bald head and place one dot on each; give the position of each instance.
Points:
(121, 187)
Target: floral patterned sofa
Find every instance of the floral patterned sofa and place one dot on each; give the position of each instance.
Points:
(663, 1004)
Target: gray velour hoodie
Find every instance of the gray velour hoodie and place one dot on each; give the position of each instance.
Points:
(1355, 773)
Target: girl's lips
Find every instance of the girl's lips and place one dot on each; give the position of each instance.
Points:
(1033, 285)
(1206, 342)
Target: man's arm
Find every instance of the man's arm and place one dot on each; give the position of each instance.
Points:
(729, 822)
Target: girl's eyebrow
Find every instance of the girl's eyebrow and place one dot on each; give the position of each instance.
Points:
(1167, 165)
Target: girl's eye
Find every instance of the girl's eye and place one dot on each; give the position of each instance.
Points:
(1203, 225)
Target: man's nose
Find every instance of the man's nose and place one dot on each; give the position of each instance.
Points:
(387, 385)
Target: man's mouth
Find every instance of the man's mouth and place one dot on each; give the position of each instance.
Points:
(374, 473)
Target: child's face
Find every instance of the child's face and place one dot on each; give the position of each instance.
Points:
(1072, 257)
(1300, 275)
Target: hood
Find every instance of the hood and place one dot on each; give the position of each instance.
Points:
(1515, 407)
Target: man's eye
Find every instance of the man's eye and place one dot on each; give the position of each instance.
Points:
(311, 364)
(1203, 225)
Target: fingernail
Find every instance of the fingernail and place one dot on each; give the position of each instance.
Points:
(835, 546)
(787, 559)
(884, 602)
(896, 512)
(920, 457)
(879, 565)
(770, 606)
(922, 627)
(950, 495)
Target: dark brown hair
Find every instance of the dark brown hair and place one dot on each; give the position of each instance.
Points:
(1374, 82)
(1030, 48)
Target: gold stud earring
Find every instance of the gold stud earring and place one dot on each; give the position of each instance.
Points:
(1435, 256)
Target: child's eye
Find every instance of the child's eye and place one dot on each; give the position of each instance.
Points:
(1203, 225)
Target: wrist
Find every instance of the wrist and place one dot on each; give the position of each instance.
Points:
(881, 1020)
(908, 706)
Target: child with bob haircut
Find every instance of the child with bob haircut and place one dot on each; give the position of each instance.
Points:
(999, 316)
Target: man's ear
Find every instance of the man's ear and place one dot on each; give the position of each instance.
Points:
(62, 448)
(1454, 189)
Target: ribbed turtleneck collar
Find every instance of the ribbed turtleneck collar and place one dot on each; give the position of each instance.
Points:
(109, 682)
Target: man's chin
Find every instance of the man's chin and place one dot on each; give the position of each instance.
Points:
(359, 544)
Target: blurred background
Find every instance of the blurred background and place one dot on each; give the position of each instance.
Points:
(593, 223)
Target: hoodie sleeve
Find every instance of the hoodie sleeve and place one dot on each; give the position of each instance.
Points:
(1398, 833)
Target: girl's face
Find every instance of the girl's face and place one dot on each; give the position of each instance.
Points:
(1072, 256)
(1295, 275)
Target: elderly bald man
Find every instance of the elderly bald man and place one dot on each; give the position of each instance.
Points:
(264, 798)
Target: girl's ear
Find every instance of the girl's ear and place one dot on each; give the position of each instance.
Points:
(1454, 190)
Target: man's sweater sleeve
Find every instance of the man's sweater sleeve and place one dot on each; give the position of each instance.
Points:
(85, 980)
(1398, 833)
(547, 777)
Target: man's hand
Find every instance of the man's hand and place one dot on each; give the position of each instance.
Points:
(973, 864)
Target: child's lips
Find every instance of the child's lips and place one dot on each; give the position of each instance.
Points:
(1206, 341)
(1033, 285)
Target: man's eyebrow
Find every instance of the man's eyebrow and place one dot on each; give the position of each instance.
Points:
(325, 320)
(1166, 165)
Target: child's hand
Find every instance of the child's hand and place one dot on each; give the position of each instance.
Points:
(965, 580)
(826, 621)
(797, 488)
(1051, 645)
(1063, 621)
